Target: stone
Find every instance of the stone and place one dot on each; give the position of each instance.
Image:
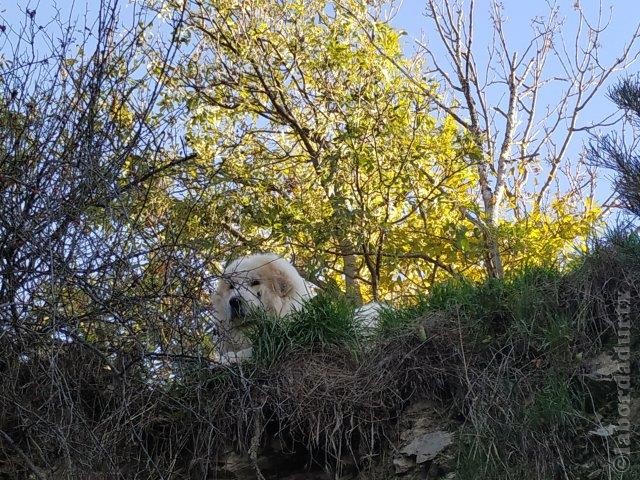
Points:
(428, 445)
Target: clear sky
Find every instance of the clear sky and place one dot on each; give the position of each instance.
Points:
(623, 17)
(623, 14)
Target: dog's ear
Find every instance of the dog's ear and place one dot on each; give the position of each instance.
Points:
(281, 284)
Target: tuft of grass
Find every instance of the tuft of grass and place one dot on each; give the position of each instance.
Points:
(554, 404)
(526, 306)
(610, 267)
(327, 319)
(269, 336)
(397, 321)
(478, 457)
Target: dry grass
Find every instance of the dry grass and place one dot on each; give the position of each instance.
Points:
(504, 359)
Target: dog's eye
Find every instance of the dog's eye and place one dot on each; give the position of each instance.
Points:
(255, 283)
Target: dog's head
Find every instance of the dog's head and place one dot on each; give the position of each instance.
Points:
(263, 281)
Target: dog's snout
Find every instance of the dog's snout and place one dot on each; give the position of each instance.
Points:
(235, 303)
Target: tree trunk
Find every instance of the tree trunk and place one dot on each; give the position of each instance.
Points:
(350, 269)
(493, 261)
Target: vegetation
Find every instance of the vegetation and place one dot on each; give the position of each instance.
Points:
(140, 151)
(296, 107)
(619, 152)
(506, 362)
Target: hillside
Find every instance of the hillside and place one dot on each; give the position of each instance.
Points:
(522, 378)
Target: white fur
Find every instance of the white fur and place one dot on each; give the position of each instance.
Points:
(266, 281)
(369, 314)
(262, 280)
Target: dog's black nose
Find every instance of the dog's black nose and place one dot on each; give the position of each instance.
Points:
(236, 307)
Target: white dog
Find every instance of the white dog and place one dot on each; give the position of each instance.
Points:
(265, 281)
(255, 281)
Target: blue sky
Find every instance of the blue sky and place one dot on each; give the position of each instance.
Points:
(623, 14)
(623, 17)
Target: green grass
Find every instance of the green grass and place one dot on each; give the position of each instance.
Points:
(553, 405)
(397, 321)
(524, 338)
(327, 319)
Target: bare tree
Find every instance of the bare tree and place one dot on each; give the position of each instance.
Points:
(84, 298)
(521, 106)
(543, 90)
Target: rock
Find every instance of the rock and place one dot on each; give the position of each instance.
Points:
(422, 437)
(604, 431)
(427, 446)
(603, 367)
